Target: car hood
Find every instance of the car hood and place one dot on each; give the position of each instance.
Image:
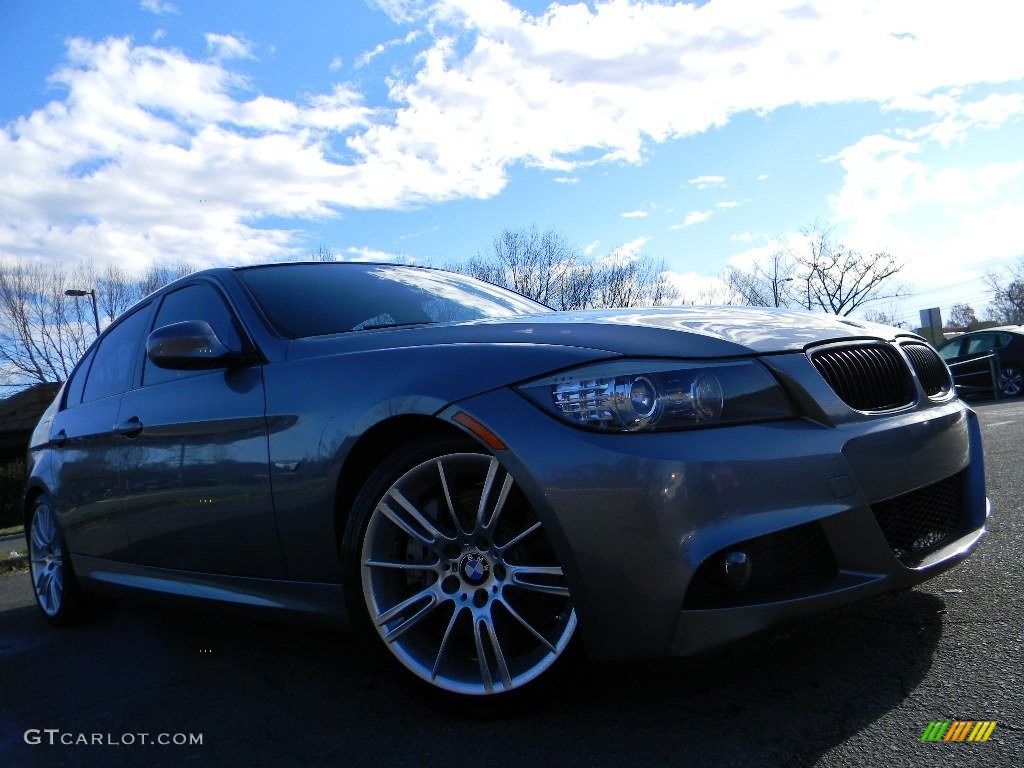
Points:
(721, 330)
(658, 331)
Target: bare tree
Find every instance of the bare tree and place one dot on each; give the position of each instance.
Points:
(159, 275)
(891, 315)
(626, 280)
(1007, 295)
(546, 267)
(767, 285)
(838, 279)
(961, 318)
(533, 263)
(116, 291)
(322, 253)
(821, 274)
(44, 331)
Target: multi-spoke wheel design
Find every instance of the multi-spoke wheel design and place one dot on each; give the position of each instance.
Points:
(1011, 381)
(53, 581)
(46, 557)
(460, 581)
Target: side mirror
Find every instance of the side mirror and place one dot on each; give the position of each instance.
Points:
(190, 346)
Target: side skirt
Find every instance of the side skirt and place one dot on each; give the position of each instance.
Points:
(321, 603)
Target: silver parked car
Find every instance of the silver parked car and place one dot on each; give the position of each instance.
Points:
(483, 488)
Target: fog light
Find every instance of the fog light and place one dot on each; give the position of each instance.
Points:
(737, 569)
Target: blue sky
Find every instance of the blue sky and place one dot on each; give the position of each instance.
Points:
(703, 134)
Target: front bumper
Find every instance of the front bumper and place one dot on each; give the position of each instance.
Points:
(634, 516)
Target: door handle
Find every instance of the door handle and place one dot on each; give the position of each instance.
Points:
(59, 440)
(129, 428)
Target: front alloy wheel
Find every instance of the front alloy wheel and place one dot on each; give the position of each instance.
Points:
(460, 582)
(1011, 381)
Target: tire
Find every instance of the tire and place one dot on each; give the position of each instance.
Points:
(1011, 380)
(53, 579)
(453, 582)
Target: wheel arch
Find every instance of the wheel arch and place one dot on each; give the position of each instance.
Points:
(373, 447)
(32, 492)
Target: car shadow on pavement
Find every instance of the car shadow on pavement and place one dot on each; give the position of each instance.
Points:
(271, 694)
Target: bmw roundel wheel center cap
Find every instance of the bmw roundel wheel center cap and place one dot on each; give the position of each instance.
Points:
(474, 569)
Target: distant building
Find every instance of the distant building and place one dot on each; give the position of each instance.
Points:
(18, 416)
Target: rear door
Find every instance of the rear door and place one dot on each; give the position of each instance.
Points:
(972, 367)
(195, 472)
(87, 446)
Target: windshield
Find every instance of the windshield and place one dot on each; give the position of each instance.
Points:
(302, 300)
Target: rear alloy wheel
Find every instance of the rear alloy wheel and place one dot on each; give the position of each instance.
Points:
(53, 580)
(460, 583)
(1011, 381)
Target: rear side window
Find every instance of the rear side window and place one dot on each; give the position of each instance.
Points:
(984, 343)
(114, 361)
(193, 302)
(76, 385)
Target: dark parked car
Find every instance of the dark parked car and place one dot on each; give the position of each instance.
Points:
(484, 488)
(969, 357)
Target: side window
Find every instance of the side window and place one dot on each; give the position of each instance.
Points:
(193, 302)
(951, 350)
(983, 343)
(113, 363)
(1004, 340)
(77, 383)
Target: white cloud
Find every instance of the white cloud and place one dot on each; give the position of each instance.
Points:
(376, 255)
(698, 289)
(366, 57)
(591, 248)
(634, 215)
(706, 182)
(583, 83)
(158, 35)
(158, 7)
(726, 204)
(336, 63)
(945, 219)
(567, 179)
(745, 237)
(229, 46)
(691, 218)
(763, 177)
(116, 169)
(627, 252)
(139, 131)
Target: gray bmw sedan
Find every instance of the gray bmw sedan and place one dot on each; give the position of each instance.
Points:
(484, 489)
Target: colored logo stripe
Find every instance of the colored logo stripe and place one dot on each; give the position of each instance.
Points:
(982, 730)
(959, 730)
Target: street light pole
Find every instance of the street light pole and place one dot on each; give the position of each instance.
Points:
(92, 295)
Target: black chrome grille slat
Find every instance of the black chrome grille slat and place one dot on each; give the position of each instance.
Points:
(868, 377)
(930, 370)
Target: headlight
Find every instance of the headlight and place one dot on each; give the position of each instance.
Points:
(639, 395)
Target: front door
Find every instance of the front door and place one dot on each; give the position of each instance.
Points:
(195, 473)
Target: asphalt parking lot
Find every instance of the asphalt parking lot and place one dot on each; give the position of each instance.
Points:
(855, 687)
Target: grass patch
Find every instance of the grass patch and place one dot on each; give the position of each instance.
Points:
(13, 559)
(12, 530)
